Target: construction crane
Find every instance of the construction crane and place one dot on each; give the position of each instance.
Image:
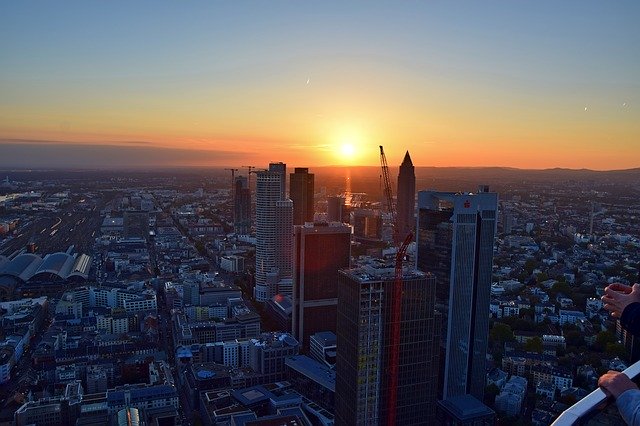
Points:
(387, 185)
(396, 317)
(249, 168)
(233, 175)
(396, 307)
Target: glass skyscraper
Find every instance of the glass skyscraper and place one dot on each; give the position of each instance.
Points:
(455, 237)
(364, 347)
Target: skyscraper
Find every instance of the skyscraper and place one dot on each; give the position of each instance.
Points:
(241, 205)
(269, 190)
(320, 251)
(406, 197)
(301, 191)
(284, 238)
(365, 299)
(335, 209)
(281, 169)
(455, 239)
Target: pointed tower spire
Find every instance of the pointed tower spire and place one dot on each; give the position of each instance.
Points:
(407, 160)
(406, 196)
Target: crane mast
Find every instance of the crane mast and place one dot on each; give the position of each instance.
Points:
(396, 318)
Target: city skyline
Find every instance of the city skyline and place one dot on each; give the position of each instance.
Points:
(218, 84)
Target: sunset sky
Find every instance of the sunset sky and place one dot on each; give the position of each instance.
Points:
(484, 83)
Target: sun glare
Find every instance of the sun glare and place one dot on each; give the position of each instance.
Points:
(348, 145)
(348, 150)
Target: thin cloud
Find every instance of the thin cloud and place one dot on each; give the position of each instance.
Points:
(53, 154)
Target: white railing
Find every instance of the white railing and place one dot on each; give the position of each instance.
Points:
(588, 404)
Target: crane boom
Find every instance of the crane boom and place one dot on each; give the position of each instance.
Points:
(388, 194)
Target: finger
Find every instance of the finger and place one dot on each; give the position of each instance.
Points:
(611, 292)
(618, 288)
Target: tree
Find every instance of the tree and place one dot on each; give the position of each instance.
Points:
(559, 287)
(527, 313)
(534, 345)
(490, 393)
(616, 349)
(500, 333)
(603, 339)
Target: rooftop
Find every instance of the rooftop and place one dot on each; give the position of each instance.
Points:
(311, 368)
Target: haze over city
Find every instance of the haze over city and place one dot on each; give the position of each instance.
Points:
(159, 84)
(319, 213)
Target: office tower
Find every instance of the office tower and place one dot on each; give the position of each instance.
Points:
(274, 215)
(301, 192)
(406, 197)
(335, 209)
(320, 250)
(284, 238)
(365, 299)
(241, 205)
(136, 224)
(455, 239)
(367, 225)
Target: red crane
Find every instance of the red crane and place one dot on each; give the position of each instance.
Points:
(396, 317)
(396, 307)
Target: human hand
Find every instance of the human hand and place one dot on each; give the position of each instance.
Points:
(614, 383)
(616, 300)
(620, 288)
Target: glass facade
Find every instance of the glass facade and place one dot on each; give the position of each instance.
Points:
(455, 237)
(364, 342)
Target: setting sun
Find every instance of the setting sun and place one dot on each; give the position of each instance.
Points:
(348, 150)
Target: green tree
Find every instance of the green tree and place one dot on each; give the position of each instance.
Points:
(616, 349)
(534, 345)
(528, 314)
(603, 339)
(574, 338)
(500, 333)
(559, 287)
(490, 393)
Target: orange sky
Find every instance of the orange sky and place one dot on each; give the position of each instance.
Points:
(515, 86)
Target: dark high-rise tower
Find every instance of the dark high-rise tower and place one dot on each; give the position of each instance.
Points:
(241, 205)
(365, 299)
(320, 251)
(455, 239)
(335, 209)
(406, 197)
(301, 191)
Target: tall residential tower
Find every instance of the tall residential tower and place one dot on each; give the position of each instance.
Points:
(273, 226)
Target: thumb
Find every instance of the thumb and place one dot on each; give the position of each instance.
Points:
(635, 288)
